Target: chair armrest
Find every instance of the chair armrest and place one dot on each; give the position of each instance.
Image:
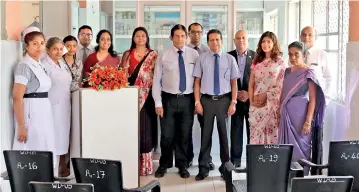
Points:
(304, 162)
(154, 186)
(230, 167)
(5, 175)
(296, 169)
(64, 179)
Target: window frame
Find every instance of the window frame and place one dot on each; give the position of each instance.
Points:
(341, 61)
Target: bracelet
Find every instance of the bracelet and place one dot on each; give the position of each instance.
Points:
(306, 123)
(23, 126)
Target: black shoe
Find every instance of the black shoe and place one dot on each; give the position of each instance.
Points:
(201, 176)
(190, 164)
(183, 173)
(237, 165)
(211, 166)
(160, 172)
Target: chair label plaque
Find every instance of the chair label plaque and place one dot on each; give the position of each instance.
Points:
(96, 174)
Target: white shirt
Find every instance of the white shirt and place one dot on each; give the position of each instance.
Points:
(167, 75)
(79, 52)
(318, 61)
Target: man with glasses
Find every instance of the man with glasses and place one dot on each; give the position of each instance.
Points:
(85, 47)
(195, 33)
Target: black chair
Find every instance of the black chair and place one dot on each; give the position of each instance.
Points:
(268, 168)
(343, 157)
(323, 184)
(25, 166)
(60, 187)
(105, 175)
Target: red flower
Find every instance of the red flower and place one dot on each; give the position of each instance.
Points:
(107, 78)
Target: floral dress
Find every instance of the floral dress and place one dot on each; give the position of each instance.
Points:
(264, 121)
(76, 73)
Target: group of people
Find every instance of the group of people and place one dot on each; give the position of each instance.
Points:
(279, 104)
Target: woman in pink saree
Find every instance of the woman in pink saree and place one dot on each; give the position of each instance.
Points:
(302, 108)
(265, 85)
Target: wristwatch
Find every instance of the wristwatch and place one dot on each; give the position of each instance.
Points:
(234, 101)
(196, 103)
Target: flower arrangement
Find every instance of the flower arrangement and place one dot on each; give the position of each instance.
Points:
(107, 78)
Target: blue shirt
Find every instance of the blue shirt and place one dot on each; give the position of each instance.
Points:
(241, 64)
(204, 69)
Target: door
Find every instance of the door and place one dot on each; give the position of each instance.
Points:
(158, 18)
(212, 15)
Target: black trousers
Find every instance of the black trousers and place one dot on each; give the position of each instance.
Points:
(237, 126)
(190, 154)
(176, 124)
(214, 108)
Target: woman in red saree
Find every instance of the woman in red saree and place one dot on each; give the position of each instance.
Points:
(139, 63)
(104, 55)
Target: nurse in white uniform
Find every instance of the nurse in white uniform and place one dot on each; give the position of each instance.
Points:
(34, 126)
(59, 94)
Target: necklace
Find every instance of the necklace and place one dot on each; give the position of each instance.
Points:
(139, 55)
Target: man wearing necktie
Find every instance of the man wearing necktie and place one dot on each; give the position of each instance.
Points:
(216, 75)
(172, 91)
(195, 31)
(85, 47)
(244, 57)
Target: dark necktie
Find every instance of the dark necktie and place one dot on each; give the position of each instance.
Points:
(182, 85)
(216, 75)
(196, 48)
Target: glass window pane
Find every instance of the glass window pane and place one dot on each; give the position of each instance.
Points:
(321, 42)
(158, 21)
(320, 16)
(252, 22)
(333, 42)
(212, 17)
(125, 23)
(333, 16)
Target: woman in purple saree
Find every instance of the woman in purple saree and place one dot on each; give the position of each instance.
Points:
(302, 108)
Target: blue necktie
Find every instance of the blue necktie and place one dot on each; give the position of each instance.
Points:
(216, 75)
(182, 85)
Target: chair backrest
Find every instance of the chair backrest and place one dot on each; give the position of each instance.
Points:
(60, 187)
(343, 156)
(105, 175)
(268, 167)
(26, 166)
(323, 184)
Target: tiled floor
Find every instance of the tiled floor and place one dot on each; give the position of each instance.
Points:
(172, 182)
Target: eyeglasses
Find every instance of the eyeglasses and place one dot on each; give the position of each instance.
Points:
(86, 34)
(196, 32)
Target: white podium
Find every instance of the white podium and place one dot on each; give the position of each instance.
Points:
(105, 125)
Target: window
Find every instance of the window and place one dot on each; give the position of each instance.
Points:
(294, 21)
(331, 20)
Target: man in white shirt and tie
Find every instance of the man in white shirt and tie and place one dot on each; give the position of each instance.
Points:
(317, 59)
(85, 48)
(172, 91)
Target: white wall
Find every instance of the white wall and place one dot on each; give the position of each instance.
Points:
(10, 56)
(352, 97)
(56, 21)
